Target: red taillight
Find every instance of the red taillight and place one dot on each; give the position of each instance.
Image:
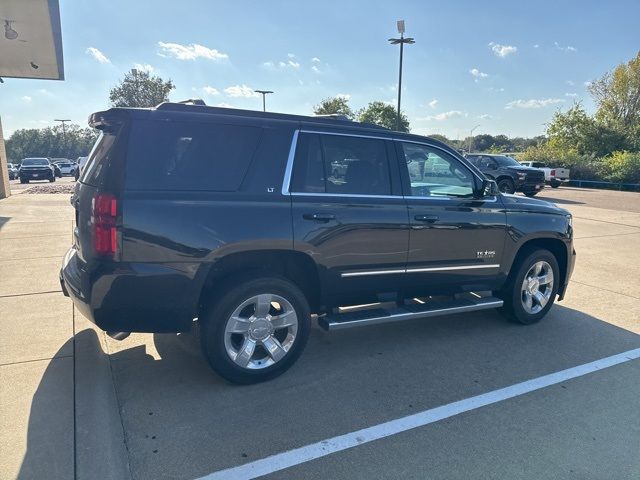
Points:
(553, 173)
(105, 211)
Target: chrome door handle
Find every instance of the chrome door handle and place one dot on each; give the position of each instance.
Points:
(426, 218)
(319, 217)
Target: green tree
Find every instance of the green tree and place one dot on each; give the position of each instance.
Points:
(617, 94)
(384, 115)
(575, 130)
(50, 142)
(140, 89)
(334, 106)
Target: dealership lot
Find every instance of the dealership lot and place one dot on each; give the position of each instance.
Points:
(149, 407)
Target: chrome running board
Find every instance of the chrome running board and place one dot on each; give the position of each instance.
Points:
(428, 308)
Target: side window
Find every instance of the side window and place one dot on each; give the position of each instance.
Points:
(434, 173)
(189, 156)
(341, 165)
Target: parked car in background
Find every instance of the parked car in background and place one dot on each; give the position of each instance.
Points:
(38, 168)
(232, 217)
(510, 176)
(552, 176)
(13, 171)
(67, 168)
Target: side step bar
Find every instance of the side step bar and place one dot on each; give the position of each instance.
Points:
(430, 308)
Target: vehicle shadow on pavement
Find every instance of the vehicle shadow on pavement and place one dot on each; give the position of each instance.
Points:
(561, 201)
(182, 421)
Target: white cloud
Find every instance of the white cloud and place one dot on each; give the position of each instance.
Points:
(97, 54)
(143, 67)
(587, 84)
(502, 50)
(44, 91)
(345, 96)
(494, 89)
(444, 116)
(240, 91)
(211, 90)
(26, 98)
(291, 55)
(568, 48)
(315, 68)
(225, 105)
(190, 52)
(533, 103)
(315, 60)
(571, 83)
(433, 103)
(572, 95)
(478, 74)
(485, 116)
(536, 46)
(293, 64)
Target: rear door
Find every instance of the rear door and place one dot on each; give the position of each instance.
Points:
(348, 212)
(456, 240)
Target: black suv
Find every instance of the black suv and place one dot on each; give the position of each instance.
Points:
(510, 176)
(36, 169)
(252, 222)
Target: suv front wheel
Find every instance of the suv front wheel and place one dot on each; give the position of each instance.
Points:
(256, 330)
(506, 185)
(531, 291)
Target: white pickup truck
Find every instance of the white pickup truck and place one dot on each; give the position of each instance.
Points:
(553, 176)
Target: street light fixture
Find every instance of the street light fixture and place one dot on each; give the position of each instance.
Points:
(264, 94)
(401, 41)
(470, 138)
(64, 130)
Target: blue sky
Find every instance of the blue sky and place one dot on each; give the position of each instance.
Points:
(506, 66)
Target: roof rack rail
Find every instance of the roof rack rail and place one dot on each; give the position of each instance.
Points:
(335, 116)
(192, 101)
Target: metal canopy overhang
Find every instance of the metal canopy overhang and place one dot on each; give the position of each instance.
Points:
(31, 40)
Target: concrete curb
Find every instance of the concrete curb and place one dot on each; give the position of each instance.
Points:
(101, 450)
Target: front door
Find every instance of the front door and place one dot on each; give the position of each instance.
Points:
(349, 214)
(456, 240)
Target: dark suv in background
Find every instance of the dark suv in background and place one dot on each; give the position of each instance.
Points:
(510, 176)
(36, 169)
(251, 222)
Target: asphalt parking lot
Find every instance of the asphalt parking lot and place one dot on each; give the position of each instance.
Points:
(76, 403)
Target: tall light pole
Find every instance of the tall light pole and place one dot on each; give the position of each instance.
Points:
(401, 41)
(470, 138)
(64, 129)
(264, 94)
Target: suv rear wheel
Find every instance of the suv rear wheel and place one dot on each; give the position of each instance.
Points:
(531, 291)
(256, 330)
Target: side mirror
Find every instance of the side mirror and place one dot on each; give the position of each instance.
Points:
(489, 188)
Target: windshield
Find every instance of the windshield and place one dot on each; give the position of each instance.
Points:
(35, 161)
(505, 161)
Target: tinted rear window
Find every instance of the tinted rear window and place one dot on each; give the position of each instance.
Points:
(35, 161)
(189, 156)
(98, 159)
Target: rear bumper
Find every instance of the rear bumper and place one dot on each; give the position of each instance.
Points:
(131, 297)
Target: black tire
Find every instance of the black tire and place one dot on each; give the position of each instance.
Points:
(505, 185)
(52, 179)
(555, 184)
(217, 315)
(22, 180)
(531, 193)
(512, 293)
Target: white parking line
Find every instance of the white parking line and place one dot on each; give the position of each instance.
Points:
(323, 448)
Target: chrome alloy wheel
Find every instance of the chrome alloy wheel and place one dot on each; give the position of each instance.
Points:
(537, 287)
(260, 331)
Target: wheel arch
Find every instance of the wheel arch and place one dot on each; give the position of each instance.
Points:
(554, 245)
(297, 267)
